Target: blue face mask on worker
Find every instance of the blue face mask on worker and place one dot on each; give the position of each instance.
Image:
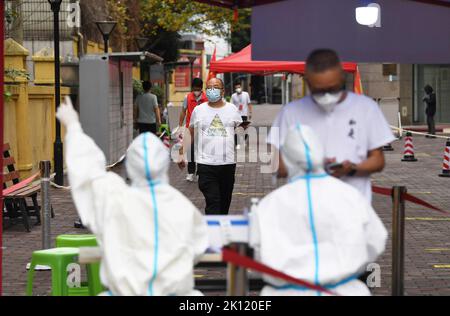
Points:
(214, 94)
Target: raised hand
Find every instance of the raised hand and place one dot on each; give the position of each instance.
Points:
(66, 114)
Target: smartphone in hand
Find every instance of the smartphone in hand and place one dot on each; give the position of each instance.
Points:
(333, 166)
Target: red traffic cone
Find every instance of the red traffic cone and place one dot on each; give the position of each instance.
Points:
(409, 148)
(446, 166)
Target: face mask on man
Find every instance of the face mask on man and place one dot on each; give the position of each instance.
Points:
(214, 95)
(327, 101)
(197, 93)
(239, 90)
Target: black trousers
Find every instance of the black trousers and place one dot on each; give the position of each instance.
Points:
(147, 128)
(244, 119)
(431, 125)
(217, 184)
(192, 166)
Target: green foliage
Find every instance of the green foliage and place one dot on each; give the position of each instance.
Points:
(118, 12)
(7, 96)
(137, 87)
(15, 73)
(241, 38)
(159, 92)
(10, 15)
(190, 16)
(165, 44)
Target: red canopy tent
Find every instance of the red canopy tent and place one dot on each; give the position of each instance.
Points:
(242, 62)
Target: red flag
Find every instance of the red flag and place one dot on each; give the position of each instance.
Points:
(212, 74)
(357, 87)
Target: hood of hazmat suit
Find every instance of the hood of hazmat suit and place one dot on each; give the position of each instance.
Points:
(150, 235)
(315, 228)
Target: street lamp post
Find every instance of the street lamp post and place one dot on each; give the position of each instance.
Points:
(58, 146)
(106, 28)
(141, 43)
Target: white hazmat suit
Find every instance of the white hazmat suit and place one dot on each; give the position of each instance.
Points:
(316, 228)
(149, 233)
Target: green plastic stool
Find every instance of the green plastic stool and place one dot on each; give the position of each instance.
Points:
(164, 127)
(58, 259)
(94, 286)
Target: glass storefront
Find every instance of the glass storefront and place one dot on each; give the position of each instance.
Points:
(437, 76)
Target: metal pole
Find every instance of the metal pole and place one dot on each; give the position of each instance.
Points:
(2, 60)
(105, 44)
(45, 167)
(398, 240)
(58, 145)
(237, 278)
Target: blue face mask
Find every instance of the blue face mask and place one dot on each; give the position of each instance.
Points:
(214, 95)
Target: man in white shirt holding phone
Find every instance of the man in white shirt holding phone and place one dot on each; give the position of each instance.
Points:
(351, 127)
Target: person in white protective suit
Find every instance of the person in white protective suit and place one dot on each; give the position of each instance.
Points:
(150, 235)
(315, 228)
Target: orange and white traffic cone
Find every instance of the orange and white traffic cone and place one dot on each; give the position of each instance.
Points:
(446, 166)
(409, 148)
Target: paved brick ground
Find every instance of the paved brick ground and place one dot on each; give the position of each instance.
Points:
(427, 232)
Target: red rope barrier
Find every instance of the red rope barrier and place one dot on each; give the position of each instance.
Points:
(246, 262)
(408, 197)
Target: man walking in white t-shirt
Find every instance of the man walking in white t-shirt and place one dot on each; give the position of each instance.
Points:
(213, 125)
(351, 127)
(241, 100)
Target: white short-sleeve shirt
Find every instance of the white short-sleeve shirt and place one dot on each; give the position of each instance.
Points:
(355, 127)
(214, 133)
(241, 101)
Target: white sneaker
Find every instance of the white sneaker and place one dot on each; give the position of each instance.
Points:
(190, 177)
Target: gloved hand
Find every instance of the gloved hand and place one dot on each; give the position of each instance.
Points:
(66, 113)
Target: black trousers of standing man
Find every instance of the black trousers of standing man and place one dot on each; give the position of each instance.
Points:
(217, 184)
(431, 124)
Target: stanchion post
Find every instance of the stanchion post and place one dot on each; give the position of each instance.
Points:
(45, 204)
(398, 240)
(237, 277)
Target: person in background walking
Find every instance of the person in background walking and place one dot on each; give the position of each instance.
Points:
(147, 110)
(191, 101)
(241, 99)
(430, 100)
